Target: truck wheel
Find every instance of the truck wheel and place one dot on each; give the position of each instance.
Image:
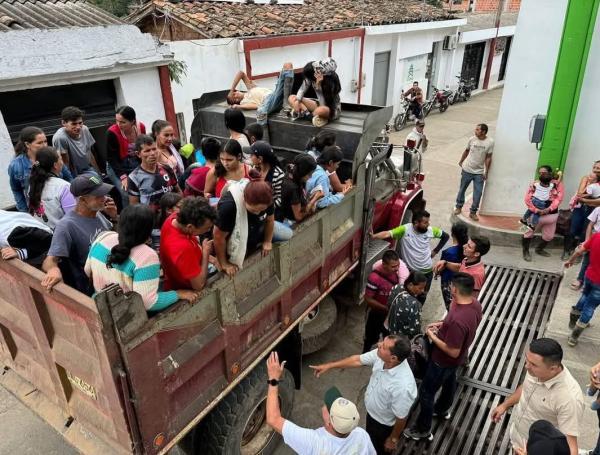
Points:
(319, 327)
(238, 425)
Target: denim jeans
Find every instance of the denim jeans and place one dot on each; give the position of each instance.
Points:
(589, 300)
(597, 449)
(579, 221)
(465, 180)
(116, 182)
(435, 377)
(282, 232)
(273, 102)
(584, 265)
(535, 217)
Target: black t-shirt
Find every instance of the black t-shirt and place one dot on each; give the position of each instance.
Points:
(226, 213)
(291, 194)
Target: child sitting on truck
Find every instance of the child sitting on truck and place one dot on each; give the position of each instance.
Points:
(319, 182)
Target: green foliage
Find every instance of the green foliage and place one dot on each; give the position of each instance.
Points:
(177, 70)
(437, 3)
(117, 7)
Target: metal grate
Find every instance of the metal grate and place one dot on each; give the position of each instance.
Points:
(516, 307)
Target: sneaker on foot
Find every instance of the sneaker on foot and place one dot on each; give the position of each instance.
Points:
(458, 210)
(446, 415)
(416, 435)
(474, 216)
(524, 221)
(319, 122)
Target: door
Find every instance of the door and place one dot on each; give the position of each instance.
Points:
(472, 61)
(432, 67)
(381, 73)
(504, 60)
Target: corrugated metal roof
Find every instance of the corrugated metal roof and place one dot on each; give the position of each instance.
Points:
(49, 14)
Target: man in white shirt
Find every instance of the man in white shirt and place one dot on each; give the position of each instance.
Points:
(475, 163)
(390, 393)
(417, 139)
(339, 434)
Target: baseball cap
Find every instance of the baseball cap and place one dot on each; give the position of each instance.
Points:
(89, 185)
(343, 414)
(261, 148)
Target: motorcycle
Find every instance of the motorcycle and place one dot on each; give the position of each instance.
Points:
(439, 99)
(463, 91)
(402, 117)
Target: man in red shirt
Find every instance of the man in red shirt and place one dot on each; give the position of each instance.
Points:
(582, 312)
(450, 341)
(379, 286)
(472, 264)
(184, 261)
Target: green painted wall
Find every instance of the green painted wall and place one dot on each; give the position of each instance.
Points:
(577, 34)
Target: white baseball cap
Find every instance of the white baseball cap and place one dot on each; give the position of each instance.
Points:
(343, 414)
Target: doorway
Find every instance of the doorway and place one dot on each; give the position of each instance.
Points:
(504, 61)
(381, 74)
(432, 67)
(472, 62)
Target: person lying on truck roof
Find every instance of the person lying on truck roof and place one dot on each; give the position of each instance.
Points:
(294, 205)
(340, 433)
(23, 237)
(76, 231)
(315, 147)
(264, 100)
(125, 259)
(229, 168)
(322, 77)
(150, 180)
(31, 140)
(49, 196)
(184, 260)
(245, 220)
(327, 163)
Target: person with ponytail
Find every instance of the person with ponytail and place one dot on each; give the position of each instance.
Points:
(295, 206)
(125, 259)
(31, 140)
(229, 168)
(120, 149)
(245, 220)
(50, 197)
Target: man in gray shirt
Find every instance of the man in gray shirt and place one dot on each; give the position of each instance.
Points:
(475, 163)
(76, 143)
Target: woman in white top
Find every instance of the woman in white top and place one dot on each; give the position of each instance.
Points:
(49, 196)
(163, 134)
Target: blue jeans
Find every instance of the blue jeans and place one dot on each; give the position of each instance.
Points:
(465, 180)
(597, 449)
(579, 221)
(584, 265)
(535, 217)
(589, 300)
(282, 232)
(435, 377)
(273, 102)
(116, 182)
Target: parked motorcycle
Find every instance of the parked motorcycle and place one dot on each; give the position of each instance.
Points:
(402, 117)
(439, 99)
(463, 91)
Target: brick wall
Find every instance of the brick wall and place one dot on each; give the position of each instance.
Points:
(174, 31)
(482, 6)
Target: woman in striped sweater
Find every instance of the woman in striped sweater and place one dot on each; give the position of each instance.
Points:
(267, 163)
(124, 258)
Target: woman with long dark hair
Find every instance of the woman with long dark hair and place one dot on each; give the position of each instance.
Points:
(164, 135)
(229, 168)
(266, 162)
(120, 148)
(295, 206)
(322, 77)
(31, 140)
(235, 122)
(327, 164)
(125, 259)
(49, 196)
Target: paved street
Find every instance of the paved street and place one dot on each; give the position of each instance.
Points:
(22, 432)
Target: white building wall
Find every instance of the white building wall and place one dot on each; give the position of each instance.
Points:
(141, 90)
(527, 88)
(6, 155)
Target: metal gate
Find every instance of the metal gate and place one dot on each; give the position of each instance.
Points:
(472, 62)
(516, 307)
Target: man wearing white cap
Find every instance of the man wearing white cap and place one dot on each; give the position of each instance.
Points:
(339, 435)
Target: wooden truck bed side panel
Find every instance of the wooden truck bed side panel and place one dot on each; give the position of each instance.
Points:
(183, 359)
(56, 342)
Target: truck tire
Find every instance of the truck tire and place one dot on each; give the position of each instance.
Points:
(238, 426)
(318, 331)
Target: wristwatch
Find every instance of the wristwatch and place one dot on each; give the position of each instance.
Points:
(273, 382)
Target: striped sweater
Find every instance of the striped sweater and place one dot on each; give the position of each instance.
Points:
(139, 273)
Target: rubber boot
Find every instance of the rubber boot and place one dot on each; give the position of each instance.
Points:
(576, 333)
(567, 248)
(573, 318)
(288, 83)
(525, 242)
(540, 248)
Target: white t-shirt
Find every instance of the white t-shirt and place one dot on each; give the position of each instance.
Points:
(478, 152)
(9, 221)
(256, 95)
(542, 192)
(593, 190)
(305, 441)
(594, 218)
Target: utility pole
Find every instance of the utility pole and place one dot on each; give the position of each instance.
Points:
(490, 59)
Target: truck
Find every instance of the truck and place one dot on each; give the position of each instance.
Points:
(191, 379)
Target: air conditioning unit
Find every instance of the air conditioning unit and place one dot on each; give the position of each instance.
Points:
(449, 42)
